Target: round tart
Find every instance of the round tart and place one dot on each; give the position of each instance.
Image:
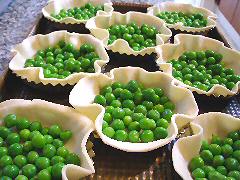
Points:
(79, 122)
(210, 57)
(74, 12)
(85, 92)
(177, 13)
(207, 128)
(101, 25)
(58, 58)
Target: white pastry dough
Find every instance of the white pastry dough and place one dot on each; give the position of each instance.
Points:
(98, 27)
(187, 42)
(55, 6)
(185, 8)
(29, 47)
(86, 89)
(79, 122)
(203, 126)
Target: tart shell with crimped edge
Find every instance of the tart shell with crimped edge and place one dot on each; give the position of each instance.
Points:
(29, 47)
(86, 89)
(98, 27)
(185, 8)
(203, 127)
(80, 122)
(187, 42)
(55, 6)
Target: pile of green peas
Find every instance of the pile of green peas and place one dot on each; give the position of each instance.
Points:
(63, 60)
(218, 160)
(134, 113)
(28, 150)
(196, 20)
(203, 69)
(137, 37)
(79, 13)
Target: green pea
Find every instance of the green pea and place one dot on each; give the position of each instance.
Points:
(57, 170)
(126, 94)
(44, 175)
(10, 120)
(20, 161)
(27, 146)
(228, 141)
(109, 97)
(137, 116)
(21, 177)
(13, 138)
(234, 174)
(234, 135)
(133, 136)
(134, 126)
(118, 124)
(65, 135)
(206, 155)
(99, 99)
(49, 151)
(196, 162)
(38, 141)
(15, 149)
(198, 173)
(222, 170)
(57, 143)
(35, 126)
(140, 109)
(106, 89)
(148, 104)
(42, 163)
(22, 123)
(3, 151)
(128, 104)
(227, 150)
(109, 131)
(62, 151)
(118, 113)
(147, 136)
(29, 170)
(11, 171)
(215, 149)
(218, 160)
(5, 160)
(231, 164)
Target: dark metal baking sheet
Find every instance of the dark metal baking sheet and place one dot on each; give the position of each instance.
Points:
(111, 163)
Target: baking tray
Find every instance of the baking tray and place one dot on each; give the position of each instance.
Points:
(111, 163)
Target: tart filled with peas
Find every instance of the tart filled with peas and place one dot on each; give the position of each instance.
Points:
(196, 20)
(64, 59)
(184, 17)
(203, 70)
(75, 11)
(29, 150)
(134, 113)
(138, 37)
(132, 33)
(80, 13)
(219, 159)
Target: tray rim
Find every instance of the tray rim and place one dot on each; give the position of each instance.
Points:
(34, 28)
